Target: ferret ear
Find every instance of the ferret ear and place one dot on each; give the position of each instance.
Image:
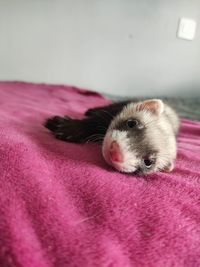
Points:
(155, 106)
(169, 167)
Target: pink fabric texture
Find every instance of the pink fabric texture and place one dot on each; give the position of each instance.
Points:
(62, 205)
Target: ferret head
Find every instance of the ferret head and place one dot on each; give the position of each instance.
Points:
(140, 139)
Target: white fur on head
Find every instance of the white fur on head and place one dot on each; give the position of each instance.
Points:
(129, 159)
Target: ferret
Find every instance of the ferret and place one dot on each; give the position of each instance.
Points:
(137, 137)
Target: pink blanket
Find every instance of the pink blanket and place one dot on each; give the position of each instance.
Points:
(62, 205)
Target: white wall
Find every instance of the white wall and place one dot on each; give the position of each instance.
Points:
(115, 46)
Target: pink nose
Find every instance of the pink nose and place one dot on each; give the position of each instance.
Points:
(115, 153)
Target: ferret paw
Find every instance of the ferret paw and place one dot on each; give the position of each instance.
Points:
(63, 128)
(55, 123)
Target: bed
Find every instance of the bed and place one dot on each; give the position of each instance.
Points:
(62, 205)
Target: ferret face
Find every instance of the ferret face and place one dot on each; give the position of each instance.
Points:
(140, 139)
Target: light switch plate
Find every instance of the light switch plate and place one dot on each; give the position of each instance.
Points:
(186, 29)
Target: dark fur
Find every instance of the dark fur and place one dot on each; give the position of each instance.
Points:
(92, 128)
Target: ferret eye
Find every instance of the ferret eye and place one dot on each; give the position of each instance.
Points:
(148, 163)
(131, 123)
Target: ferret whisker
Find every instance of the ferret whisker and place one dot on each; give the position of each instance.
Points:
(93, 137)
(92, 140)
(88, 139)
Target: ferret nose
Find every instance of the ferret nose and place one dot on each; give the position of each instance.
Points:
(115, 152)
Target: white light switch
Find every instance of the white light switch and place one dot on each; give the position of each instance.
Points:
(186, 29)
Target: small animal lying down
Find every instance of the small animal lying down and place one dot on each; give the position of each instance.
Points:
(137, 137)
